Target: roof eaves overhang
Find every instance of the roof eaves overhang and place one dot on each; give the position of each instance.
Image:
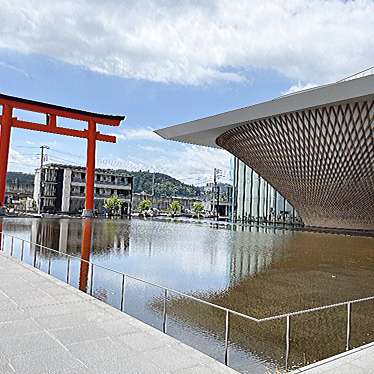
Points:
(205, 131)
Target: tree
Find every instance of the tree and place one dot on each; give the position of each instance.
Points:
(144, 205)
(113, 204)
(175, 207)
(198, 208)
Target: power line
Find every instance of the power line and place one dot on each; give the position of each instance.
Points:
(65, 153)
(59, 159)
(24, 146)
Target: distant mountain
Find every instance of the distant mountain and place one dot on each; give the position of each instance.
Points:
(164, 185)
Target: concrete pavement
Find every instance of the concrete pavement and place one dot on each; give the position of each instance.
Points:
(47, 326)
(356, 361)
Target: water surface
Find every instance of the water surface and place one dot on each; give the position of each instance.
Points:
(256, 271)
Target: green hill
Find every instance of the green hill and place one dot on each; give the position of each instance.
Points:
(22, 178)
(164, 185)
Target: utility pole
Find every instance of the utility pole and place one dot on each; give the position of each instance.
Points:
(42, 148)
(217, 174)
(153, 186)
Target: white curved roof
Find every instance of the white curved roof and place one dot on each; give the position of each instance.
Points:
(206, 130)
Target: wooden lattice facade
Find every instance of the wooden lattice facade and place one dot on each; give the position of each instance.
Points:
(320, 159)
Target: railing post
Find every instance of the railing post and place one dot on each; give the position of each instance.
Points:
(227, 335)
(91, 280)
(12, 247)
(288, 322)
(164, 319)
(22, 249)
(68, 271)
(123, 290)
(347, 346)
(49, 265)
(34, 262)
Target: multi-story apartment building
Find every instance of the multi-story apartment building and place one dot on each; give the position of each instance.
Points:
(63, 188)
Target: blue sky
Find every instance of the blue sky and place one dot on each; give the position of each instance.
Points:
(163, 62)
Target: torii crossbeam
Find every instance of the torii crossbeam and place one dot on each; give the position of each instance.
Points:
(53, 113)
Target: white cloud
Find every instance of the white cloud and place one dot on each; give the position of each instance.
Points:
(193, 42)
(25, 162)
(299, 87)
(142, 133)
(192, 164)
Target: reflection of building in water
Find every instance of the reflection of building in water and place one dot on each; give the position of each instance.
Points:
(255, 257)
(63, 188)
(247, 263)
(45, 233)
(65, 235)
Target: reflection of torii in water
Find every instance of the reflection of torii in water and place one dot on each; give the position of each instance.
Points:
(52, 113)
(85, 254)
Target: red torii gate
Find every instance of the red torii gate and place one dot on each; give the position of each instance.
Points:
(52, 112)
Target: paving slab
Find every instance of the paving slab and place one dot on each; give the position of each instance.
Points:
(356, 361)
(47, 326)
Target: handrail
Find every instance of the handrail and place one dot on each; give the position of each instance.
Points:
(316, 309)
(167, 290)
(138, 279)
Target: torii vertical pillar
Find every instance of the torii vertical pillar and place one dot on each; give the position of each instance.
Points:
(90, 170)
(6, 125)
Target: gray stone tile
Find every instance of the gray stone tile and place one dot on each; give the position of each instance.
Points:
(34, 342)
(206, 369)
(17, 328)
(118, 327)
(364, 360)
(5, 368)
(222, 369)
(200, 369)
(9, 304)
(130, 365)
(60, 330)
(16, 286)
(47, 361)
(346, 369)
(77, 370)
(358, 360)
(170, 358)
(95, 353)
(142, 341)
(78, 334)
(71, 319)
(3, 297)
(34, 301)
(13, 314)
(54, 309)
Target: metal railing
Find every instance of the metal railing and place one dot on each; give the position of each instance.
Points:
(167, 291)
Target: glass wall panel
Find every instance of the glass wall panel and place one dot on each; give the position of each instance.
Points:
(255, 200)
